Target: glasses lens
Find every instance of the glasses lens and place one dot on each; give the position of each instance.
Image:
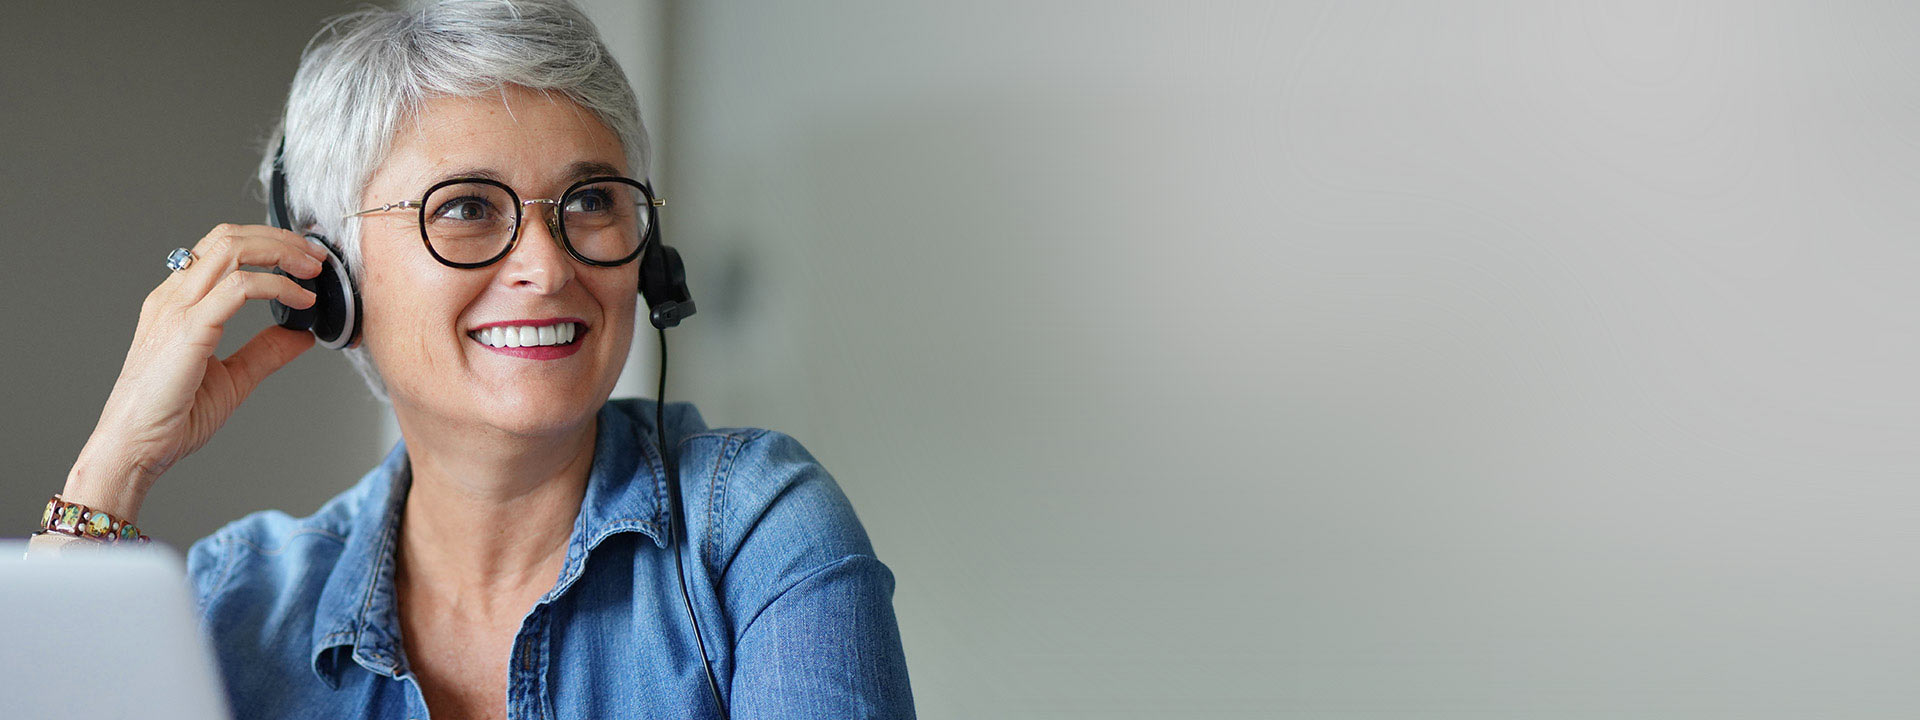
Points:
(469, 222)
(606, 220)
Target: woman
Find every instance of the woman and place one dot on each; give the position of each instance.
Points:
(513, 555)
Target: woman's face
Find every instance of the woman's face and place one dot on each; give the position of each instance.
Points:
(421, 315)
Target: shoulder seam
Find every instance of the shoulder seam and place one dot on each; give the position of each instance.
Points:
(811, 574)
(749, 434)
(717, 496)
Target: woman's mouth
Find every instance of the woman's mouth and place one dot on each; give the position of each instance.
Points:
(533, 340)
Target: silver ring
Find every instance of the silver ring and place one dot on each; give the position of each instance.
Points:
(179, 259)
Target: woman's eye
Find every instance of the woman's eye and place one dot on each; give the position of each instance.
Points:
(464, 209)
(590, 201)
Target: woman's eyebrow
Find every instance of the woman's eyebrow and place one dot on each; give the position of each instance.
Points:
(588, 168)
(471, 172)
(579, 169)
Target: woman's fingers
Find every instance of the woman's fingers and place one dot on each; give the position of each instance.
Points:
(269, 350)
(233, 291)
(173, 393)
(228, 247)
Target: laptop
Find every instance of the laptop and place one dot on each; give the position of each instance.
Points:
(104, 634)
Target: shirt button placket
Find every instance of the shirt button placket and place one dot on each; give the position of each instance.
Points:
(527, 690)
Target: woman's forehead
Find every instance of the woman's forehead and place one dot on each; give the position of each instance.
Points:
(518, 135)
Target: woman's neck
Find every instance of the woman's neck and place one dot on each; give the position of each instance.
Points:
(488, 515)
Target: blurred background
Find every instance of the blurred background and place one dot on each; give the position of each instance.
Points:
(1220, 359)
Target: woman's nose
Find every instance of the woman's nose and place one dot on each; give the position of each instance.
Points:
(531, 208)
(539, 257)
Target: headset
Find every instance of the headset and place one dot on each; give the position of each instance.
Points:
(334, 320)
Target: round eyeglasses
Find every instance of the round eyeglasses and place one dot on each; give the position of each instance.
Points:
(474, 222)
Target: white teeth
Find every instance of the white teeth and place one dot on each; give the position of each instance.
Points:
(526, 336)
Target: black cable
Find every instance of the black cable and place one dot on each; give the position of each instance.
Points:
(677, 520)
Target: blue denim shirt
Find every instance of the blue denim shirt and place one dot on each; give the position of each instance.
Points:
(796, 610)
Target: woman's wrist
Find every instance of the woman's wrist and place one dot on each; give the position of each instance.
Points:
(108, 482)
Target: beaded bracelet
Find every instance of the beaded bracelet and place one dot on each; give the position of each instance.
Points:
(70, 518)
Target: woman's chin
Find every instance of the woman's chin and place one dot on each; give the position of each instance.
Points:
(518, 399)
(538, 412)
(515, 409)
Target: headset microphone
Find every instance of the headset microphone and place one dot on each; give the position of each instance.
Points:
(663, 281)
(663, 285)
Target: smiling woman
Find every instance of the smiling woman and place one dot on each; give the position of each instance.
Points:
(441, 379)
(480, 167)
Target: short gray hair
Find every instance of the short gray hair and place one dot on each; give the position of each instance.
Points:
(367, 71)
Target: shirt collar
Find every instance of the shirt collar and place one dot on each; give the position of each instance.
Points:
(626, 492)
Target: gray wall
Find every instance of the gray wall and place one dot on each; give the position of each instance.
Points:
(1241, 360)
(129, 129)
(1258, 359)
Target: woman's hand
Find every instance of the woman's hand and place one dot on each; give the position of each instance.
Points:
(173, 394)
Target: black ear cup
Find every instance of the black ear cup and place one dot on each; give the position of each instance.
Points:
(334, 317)
(663, 282)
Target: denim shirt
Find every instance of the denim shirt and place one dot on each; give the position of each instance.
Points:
(795, 608)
